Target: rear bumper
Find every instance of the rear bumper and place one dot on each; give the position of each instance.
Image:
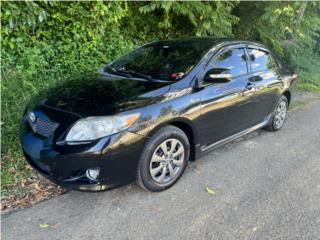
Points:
(116, 157)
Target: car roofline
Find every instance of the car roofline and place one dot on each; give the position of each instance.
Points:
(216, 41)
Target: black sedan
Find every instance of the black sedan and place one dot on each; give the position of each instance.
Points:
(145, 115)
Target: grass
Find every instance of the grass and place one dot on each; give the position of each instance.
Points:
(308, 87)
(295, 104)
(17, 90)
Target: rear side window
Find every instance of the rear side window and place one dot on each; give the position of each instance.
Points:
(232, 59)
(261, 60)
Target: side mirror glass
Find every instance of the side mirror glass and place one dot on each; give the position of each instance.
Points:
(218, 75)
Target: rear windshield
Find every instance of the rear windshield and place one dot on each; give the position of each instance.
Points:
(165, 60)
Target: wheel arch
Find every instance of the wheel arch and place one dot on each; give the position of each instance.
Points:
(188, 128)
(287, 94)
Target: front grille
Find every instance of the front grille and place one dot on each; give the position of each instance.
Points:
(43, 127)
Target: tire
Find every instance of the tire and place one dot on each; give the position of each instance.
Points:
(275, 124)
(160, 166)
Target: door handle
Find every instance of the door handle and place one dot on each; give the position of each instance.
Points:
(249, 89)
(249, 86)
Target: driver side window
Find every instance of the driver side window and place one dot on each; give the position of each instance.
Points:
(232, 59)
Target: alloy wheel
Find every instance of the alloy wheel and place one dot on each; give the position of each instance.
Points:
(280, 114)
(167, 161)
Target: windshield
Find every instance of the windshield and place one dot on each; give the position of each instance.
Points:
(164, 60)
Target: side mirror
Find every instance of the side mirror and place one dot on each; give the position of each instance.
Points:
(218, 75)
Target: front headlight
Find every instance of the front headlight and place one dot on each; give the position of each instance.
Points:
(92, 128)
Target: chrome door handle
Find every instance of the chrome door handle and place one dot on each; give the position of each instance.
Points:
(249, 89)
(249, 86)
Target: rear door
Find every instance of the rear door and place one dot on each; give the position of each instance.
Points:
(267, 80)
(226, 107)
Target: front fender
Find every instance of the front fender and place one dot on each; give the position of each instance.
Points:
(184, 109)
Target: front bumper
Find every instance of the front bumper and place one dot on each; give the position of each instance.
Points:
(116, 157)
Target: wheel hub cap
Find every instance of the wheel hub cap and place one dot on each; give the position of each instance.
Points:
(280, 114)
(167, 161)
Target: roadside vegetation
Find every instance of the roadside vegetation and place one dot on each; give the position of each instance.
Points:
(45, 42)
(295, 104)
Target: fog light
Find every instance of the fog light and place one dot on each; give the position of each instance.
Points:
(93, 173)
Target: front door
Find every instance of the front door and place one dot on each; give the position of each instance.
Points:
(226, 107)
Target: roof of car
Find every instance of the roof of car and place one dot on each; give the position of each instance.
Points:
(214, 41)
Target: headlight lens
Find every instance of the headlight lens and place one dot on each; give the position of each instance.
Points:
(92, 128)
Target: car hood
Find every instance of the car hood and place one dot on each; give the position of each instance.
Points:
(97, 94)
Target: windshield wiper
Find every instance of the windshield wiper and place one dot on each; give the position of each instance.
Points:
(132, 74)
(139, 75)
(129, 74)
(117, 72)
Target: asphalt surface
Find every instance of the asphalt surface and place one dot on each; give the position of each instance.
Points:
(267, 186)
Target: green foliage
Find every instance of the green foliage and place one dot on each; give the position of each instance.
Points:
(45, 42)
(193, 18)
(280, 24)
(308, 67)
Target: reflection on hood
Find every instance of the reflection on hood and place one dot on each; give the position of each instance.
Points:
(95, 94)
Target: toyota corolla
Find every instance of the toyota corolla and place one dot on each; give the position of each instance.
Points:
(144, 116)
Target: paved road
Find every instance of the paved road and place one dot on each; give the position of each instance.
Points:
(267, 187)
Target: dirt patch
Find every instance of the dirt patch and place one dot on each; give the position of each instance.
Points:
(307, 97)
(28, 191)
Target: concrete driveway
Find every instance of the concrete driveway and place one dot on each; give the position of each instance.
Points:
(267, 187)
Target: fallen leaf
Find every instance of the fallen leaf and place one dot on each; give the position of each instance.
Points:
(36, 186)
(12, 170)
(156, 209)
(28, 167)
(210, 191)
(44, 225)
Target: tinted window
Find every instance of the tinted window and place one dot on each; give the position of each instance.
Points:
(261, 60)
(164, 60)
(233, 59)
